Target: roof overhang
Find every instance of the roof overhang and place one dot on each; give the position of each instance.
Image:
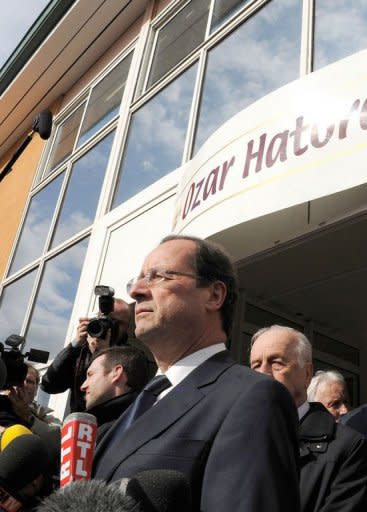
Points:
(79, 36)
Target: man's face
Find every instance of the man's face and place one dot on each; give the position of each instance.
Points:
(98, 386)
(334, 397)
(30, 386)
(274, 353)
(173, 309)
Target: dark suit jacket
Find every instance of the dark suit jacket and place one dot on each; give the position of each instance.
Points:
(232, 431)
(333, 464)
(356, 419)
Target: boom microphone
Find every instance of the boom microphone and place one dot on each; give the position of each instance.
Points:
(150, 491)
(159, 490)
(78, 441)
(89, 496)
(43, 124)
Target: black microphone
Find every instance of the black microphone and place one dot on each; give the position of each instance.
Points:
(149, 491)
(159, 490)
(43, 124)
(89, 496)
(21, 462)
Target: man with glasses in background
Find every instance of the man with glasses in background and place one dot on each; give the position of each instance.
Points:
(230, 431)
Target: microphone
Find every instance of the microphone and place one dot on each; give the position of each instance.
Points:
(21, 462)
(159, 490)
(12, 433)
(89, 496)
(43, 124)
(78, 441)
(149, 491)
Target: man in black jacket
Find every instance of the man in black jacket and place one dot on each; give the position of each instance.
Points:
(333, 457)
(114, 378)
(69, 368)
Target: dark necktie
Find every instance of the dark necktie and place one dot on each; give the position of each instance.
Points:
(144, 401)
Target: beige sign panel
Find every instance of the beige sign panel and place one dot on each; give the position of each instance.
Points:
(304, 141)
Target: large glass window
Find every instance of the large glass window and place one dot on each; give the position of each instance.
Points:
(257, 58)
(55, 299)
(105, 99)
(63, 211)
(81, 198)
(156, 137)
(340, 30)
(224, 9)
(179, 37)
(13, 304)
(37, 225)
(64, 140)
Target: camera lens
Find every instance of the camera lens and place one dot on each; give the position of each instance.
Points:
(98, 327)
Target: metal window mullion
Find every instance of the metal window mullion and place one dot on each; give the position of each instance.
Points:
(307, 36)
(195, 105)
(59, 201)
(210, 19)
(32, 298)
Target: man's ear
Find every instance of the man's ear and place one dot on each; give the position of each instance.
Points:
(117, 372)
(217, 295)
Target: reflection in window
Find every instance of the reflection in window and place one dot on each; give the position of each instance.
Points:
(13, 305)
(64, 140)
(104, 102)
(84, 187)
(224, 9)
(156, 137)
(36, 225)
(55, 300)
(340, 30)
(257, 58)
(179, 37)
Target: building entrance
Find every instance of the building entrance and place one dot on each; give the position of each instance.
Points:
(316, 284)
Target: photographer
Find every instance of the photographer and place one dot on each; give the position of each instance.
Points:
(68, 370)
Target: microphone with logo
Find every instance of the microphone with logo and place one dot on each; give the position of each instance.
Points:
(22, 461)
(156, 490)
(78, 440)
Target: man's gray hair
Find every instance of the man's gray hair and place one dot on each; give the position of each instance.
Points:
(322, 377)
(303, 347)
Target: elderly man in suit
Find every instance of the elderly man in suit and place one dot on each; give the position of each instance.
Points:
(231, 431)
(333, 457)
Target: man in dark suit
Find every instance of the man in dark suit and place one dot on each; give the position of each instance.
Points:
(114, 378)
(333, 457)
(231, 431)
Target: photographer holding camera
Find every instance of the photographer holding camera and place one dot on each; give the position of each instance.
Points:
(68, 369)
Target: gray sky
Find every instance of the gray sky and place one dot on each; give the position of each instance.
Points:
(16, 18)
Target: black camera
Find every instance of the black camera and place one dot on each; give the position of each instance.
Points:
(99, 326)
(14, 370)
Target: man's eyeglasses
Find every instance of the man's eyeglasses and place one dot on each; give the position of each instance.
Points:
(155, 276)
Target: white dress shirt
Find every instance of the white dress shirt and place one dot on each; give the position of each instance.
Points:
(182, 368)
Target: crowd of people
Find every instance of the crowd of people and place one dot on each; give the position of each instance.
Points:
(271, 438)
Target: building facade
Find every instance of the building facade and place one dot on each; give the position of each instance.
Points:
(242, 121)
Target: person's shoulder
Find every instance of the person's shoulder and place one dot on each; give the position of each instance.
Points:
(348, 434)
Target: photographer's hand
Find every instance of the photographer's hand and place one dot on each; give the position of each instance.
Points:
(81, 335)
(19, 404)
